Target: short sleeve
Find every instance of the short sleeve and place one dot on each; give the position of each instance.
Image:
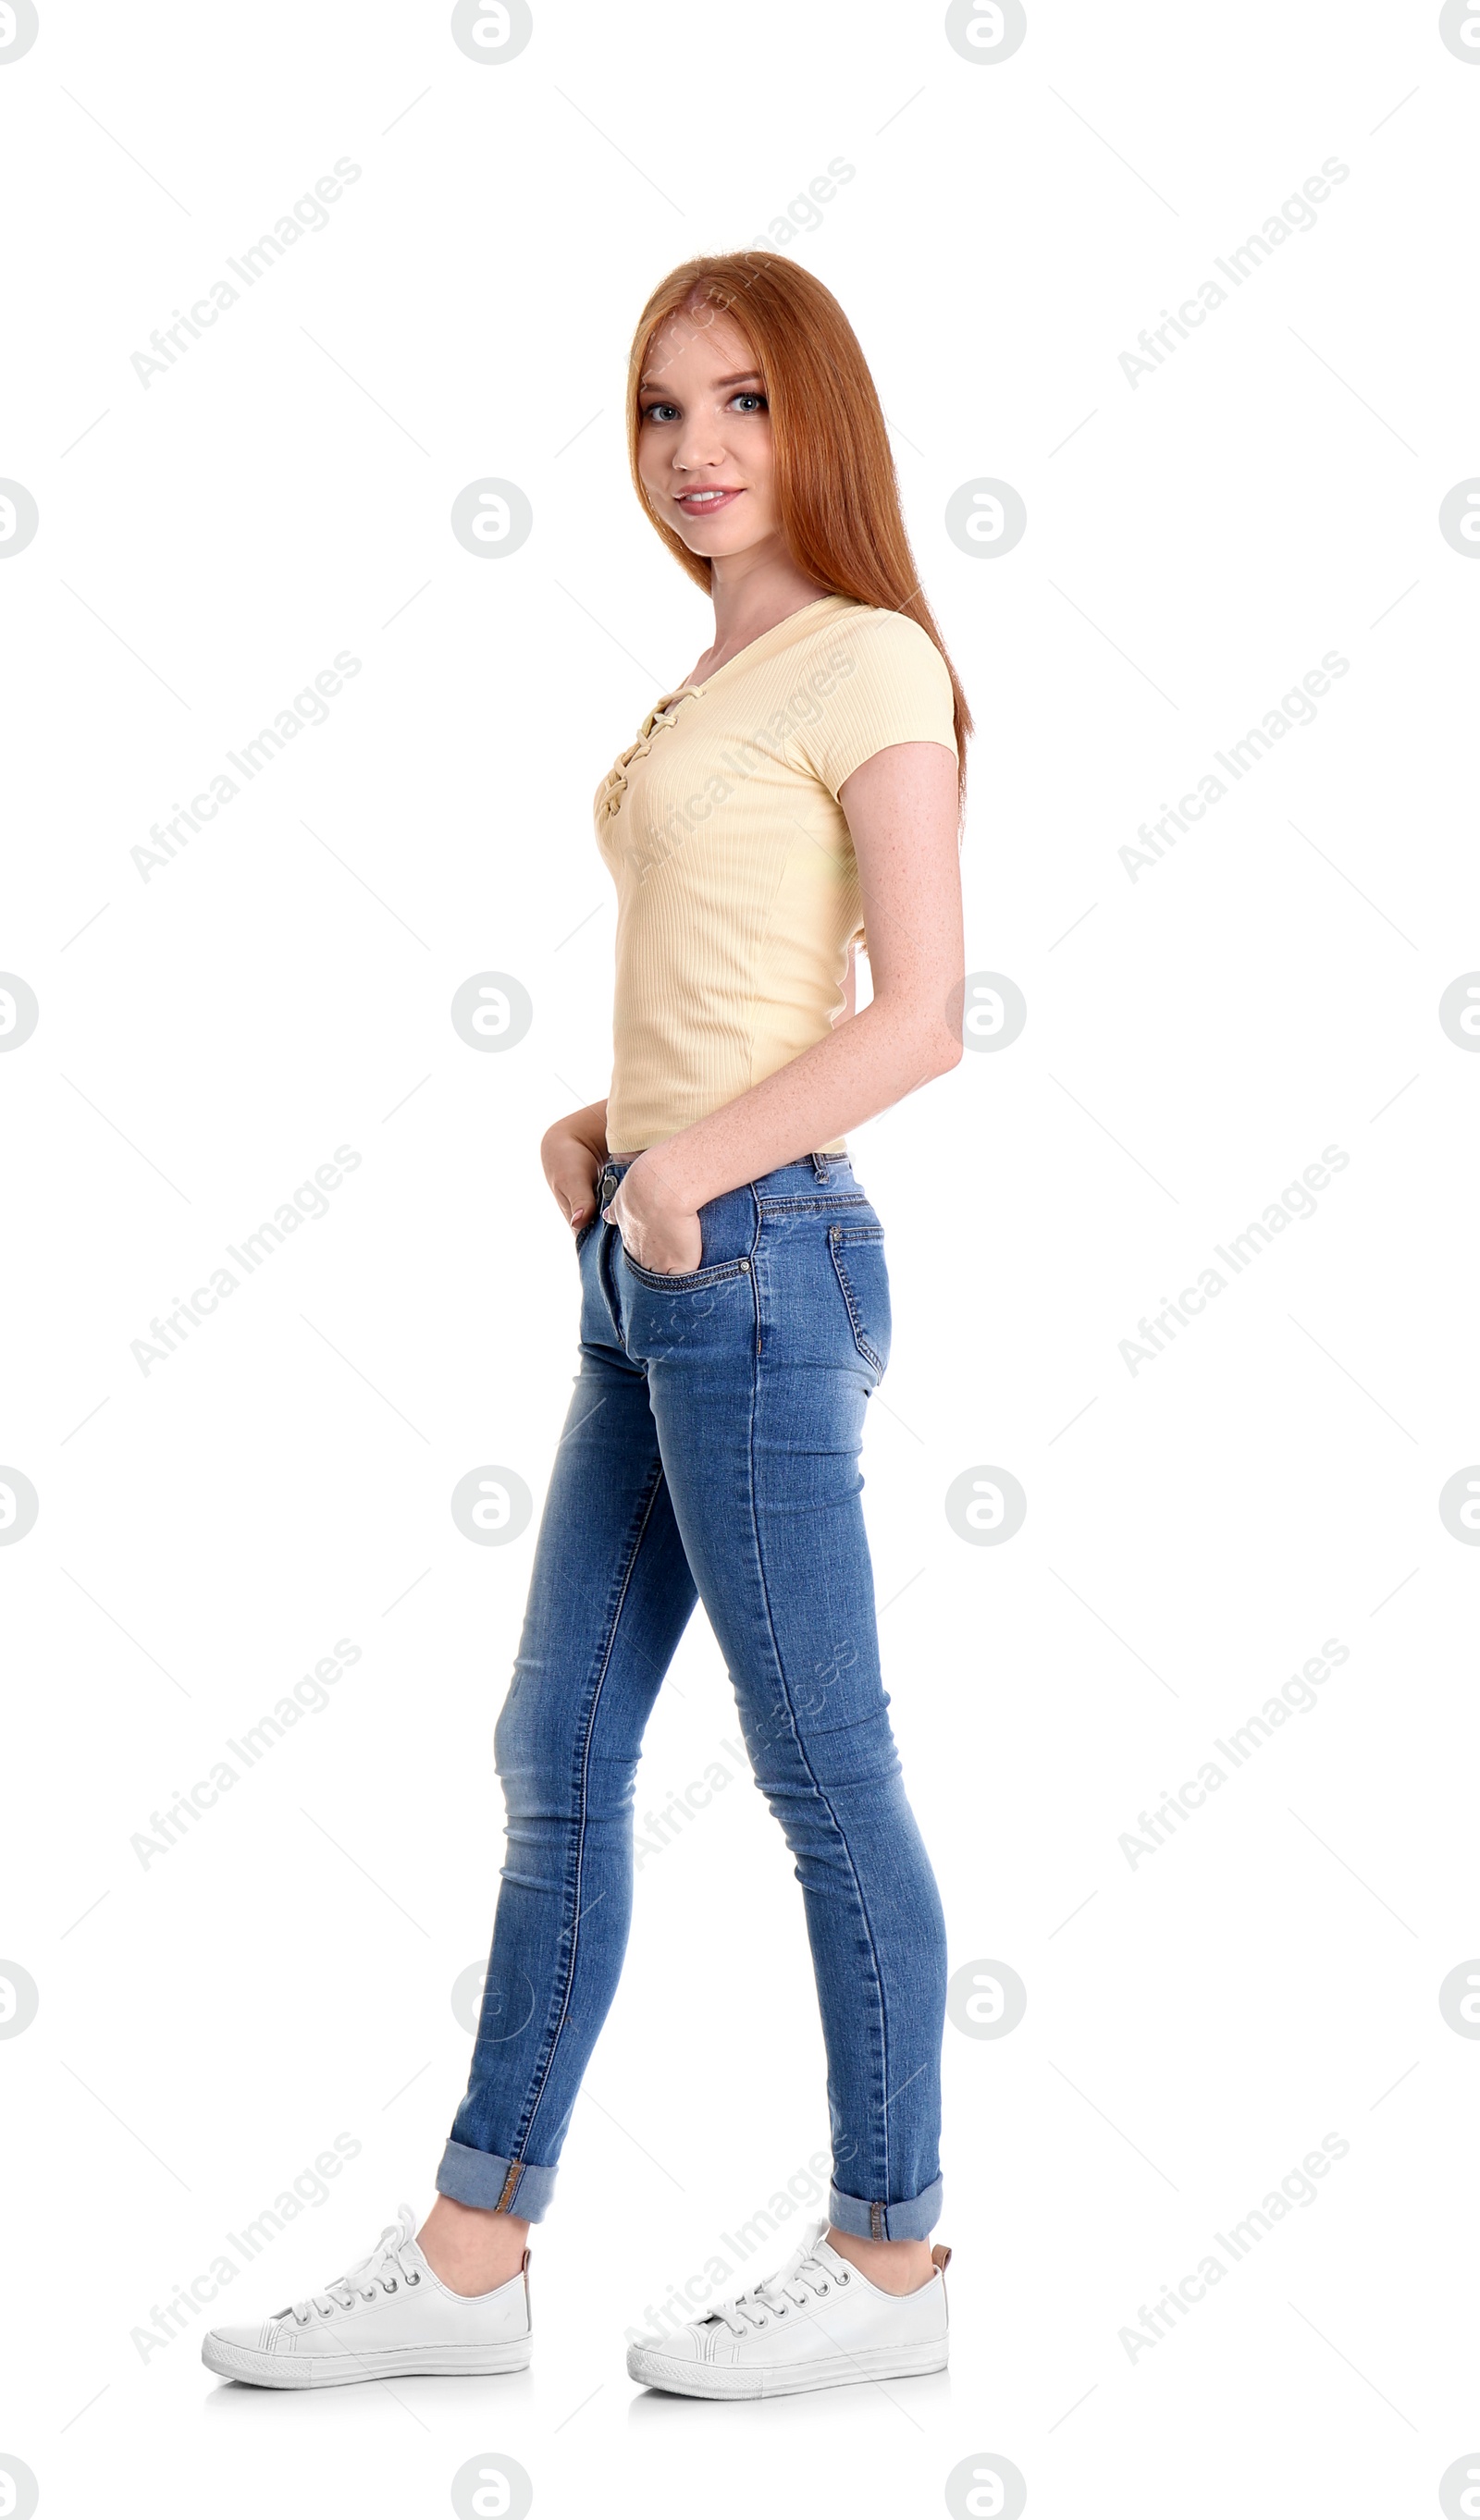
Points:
(882, 681)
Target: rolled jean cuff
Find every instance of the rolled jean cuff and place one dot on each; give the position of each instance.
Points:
(472, 2177)
(912, 2220)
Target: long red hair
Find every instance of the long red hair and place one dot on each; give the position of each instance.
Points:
(836, 486)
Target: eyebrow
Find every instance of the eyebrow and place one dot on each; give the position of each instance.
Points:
(750, 376)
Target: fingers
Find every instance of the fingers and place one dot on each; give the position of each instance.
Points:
(579, 1203)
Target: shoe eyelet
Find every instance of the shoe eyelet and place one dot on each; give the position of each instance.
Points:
(413, 2279)
(842, 2279)
(824, 2287)
(392, 2286)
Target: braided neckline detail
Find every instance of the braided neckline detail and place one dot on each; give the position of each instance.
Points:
(657, 719)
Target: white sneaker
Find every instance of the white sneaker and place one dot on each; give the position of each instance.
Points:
(389, 2317)
(818, 2324)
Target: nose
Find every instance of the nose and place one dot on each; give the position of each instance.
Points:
(697, 446)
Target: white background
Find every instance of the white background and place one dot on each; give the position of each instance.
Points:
(1195, 2026)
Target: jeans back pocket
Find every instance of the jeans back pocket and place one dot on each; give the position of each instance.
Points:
(862, 1274)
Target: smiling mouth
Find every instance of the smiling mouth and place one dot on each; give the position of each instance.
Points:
(699, 502)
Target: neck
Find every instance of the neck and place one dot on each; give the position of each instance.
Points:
(752, 591)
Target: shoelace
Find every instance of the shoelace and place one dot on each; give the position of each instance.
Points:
(389, 2250)
(664, 715)
(774, 2296)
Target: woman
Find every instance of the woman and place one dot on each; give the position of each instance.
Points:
(735, 1318)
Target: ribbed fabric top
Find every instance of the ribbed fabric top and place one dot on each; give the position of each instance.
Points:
(736, 886)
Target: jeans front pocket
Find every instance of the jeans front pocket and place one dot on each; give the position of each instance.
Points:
(862, 1274)
(683, 1280)
(727, 1243)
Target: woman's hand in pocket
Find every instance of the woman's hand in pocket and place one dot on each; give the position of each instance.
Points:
(659, 1232)
(571, 1166)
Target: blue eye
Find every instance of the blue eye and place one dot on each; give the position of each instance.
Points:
(658, 411)
(757, 401)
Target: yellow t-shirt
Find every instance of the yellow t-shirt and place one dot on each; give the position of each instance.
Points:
(736, 886)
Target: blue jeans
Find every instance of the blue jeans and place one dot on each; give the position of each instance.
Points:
(711, 1454)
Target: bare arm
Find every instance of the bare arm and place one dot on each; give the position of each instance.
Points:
(901, 813)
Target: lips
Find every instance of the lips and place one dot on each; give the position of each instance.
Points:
(706, 502)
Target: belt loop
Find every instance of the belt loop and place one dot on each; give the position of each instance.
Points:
(820, 1166)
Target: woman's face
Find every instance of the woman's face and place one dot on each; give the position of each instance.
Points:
(704, 450)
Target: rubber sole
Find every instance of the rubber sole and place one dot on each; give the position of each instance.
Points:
(683, 2379)
(337, 2370)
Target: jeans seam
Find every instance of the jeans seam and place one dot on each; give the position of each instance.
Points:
(689, 1279)
(803, 1201)
(609, 1292)
(544, 2071)
(861, 1340)
(823, 1798)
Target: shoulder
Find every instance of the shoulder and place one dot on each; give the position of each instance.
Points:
(886, 645)
(879, 680)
